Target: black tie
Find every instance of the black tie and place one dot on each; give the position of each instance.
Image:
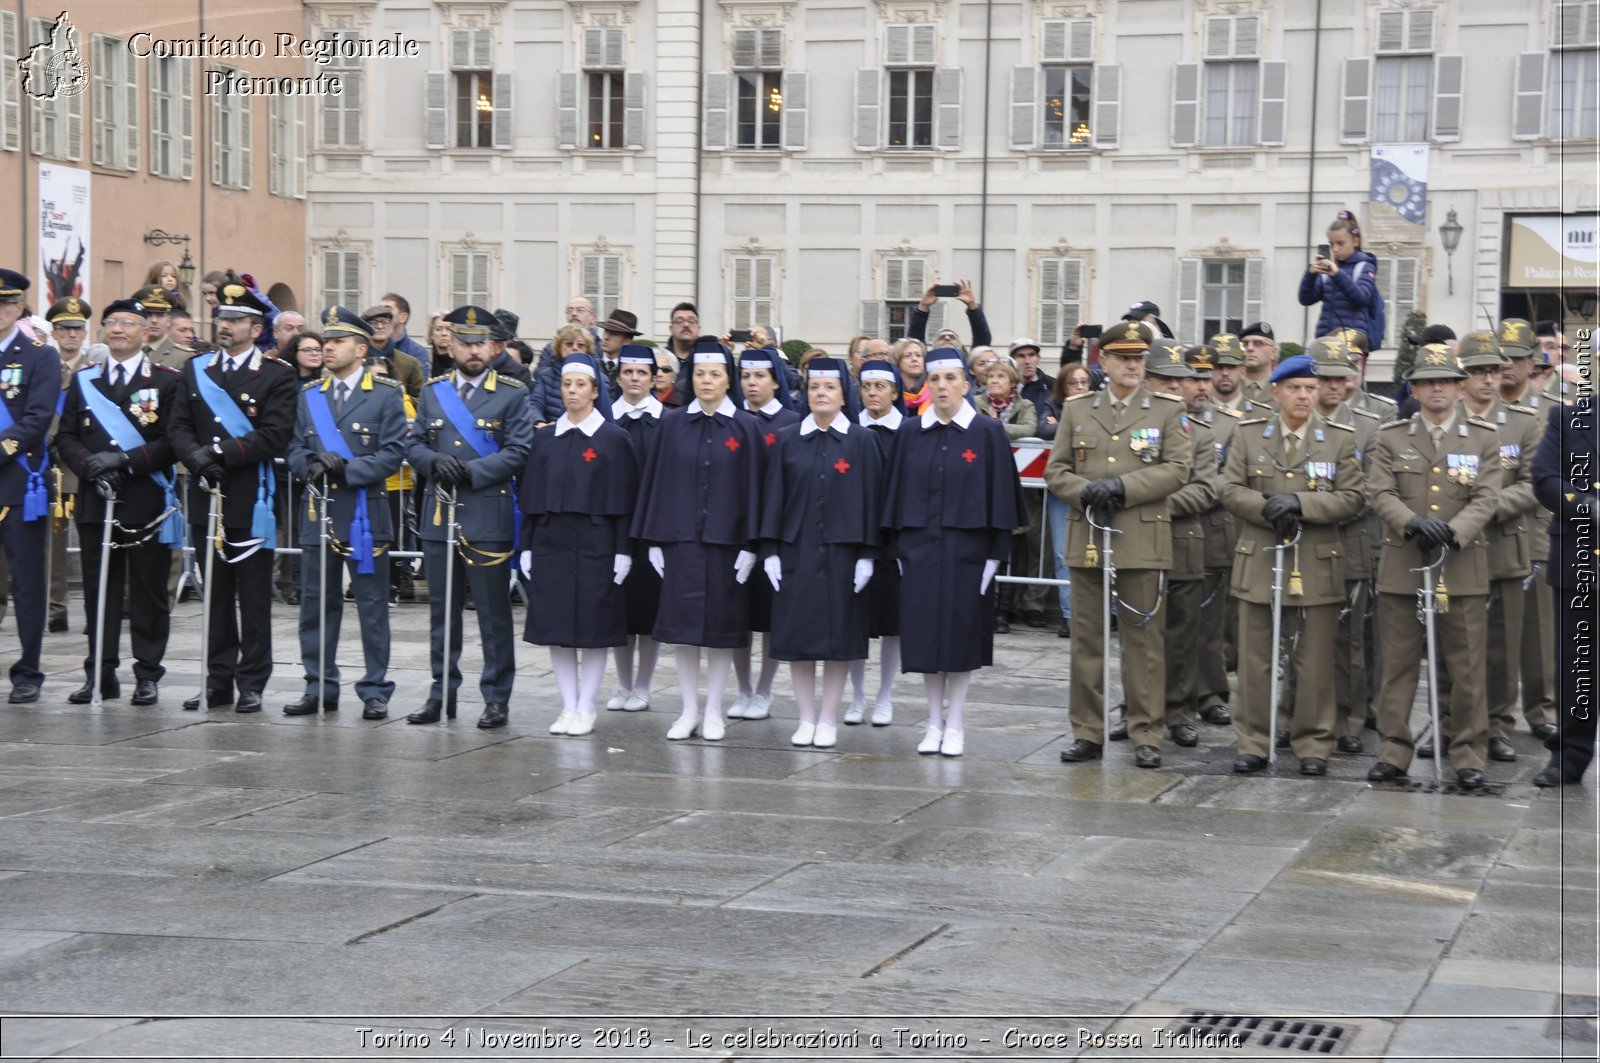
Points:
(466, 390)
(120, 379)
(340, 395)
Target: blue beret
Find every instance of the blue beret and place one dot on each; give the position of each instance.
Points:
(1300, 365)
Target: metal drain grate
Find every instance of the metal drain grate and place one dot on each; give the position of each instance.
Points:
(1418, 786)
(1255, 1031)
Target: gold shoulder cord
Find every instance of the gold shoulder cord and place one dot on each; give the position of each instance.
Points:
(485, 557)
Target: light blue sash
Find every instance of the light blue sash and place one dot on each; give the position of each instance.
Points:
(263, 522)
(126, 436)
(361, 544)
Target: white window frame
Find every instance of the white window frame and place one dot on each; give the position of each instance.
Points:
(1059, 295)
(10, 88)
(1412, 65)
(172, 118)
(232, 137)
(903, 278)
(1242, 75)
(1192, 287)
(340, 266)
(471, 53)
(1567, 71)
(1400, 284)
(475, 257)
(747, 305)
(344, 116)
(56, 124)
(287, 147)
(602, 278)
(115, 78)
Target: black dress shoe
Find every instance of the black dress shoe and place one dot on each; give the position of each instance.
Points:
(249, 701)
(1065, 630)
(1382, 772)
(1313, 766)
(58, 624)
(110, 689)
(1146, 757)
(1554, 776)
(1081, 750)
(1216, 713)
(1348, 744)
(1248, 764)
(1470, 779)
(146, 692)
(374, 709)
(1119, 731)
(307, 706)
(1425, 750)
(1034, 617)
(493, 716)
(430, 712)
(215, 699)
(1500, 749)
(24, 694)
(1544, 731)
(1185, 735)
(1283, 739)
(1001, 625)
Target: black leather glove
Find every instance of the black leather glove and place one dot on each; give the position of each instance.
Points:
(332, 464)
(1104, 496)
(314, 469)
(97, 465)
(1429, 531)
(1280, 505)
(1450, 537)
(449, 470)
(110, 482)
(204, 466)
(1287, 525)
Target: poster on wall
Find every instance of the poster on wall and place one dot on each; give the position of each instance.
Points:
(1552, 251)
(63, 234)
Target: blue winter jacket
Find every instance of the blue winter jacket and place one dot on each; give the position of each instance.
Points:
(1349, 297)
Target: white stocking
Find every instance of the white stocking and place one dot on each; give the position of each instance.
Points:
(717, 663)
(803, 677)
(834, 674)
(955, 693)
(888, 668)
(624, 659)
(933, 687)
(769, 667)
(689, 680)
(590, 676)
(564, 662)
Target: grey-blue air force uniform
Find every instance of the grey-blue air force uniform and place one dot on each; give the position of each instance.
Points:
(373, 425)
(485, 512)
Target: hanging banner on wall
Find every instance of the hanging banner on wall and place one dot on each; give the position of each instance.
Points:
(1400, 180)
(1552, 250)
(63, 234)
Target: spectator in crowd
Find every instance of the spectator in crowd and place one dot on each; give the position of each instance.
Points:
(402, 340)
(382, 347)
(304, 353)
(910, 356)
(1553, 342)
(1345, 281)
(853, 355)
(979, 359)
(439, 361)
(579, 311)
(1072, 380)
(665, 386)
(165, 274)
(1002, 400)
(1035, 385)
(869, 350)
(683, 329)
(287, 325)
(523, 352)
(917, 327)
(209, 285)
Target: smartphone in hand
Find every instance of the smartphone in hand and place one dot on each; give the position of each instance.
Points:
(739, 335)
(1089, 332)
(947, 291)
(1323, 250)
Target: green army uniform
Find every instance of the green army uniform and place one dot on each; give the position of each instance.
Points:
(1228, 351)
(1537, 654)
(1191, 504)
(1350, 647)
(1322, 473)
(1145, 446)
(1216, 657)
(1456, 479)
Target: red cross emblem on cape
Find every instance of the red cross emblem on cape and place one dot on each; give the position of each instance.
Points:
(772, 437)
(590, 455)
(732, 444)
(969, 456)
(842, 465)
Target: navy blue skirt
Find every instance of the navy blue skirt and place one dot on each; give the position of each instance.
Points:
(701, 602)
(945, 624)
(573, 599)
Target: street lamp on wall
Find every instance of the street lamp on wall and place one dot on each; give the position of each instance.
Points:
(1450, 236)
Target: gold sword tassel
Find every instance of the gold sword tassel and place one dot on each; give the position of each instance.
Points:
(1296, 585)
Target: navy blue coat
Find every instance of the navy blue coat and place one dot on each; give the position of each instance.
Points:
(485, 506)
(1564, 480)
(1349, 297)
(702, 482)
(30, 389)
(374, 427)
(141, 499)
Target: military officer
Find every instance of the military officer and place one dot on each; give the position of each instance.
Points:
(1510, 559)
(349, 438)
(1167, 371)
(1356, 393)
(1292, 473)
(69, 323)
(1120, 454)
(1228, 378)
(1260, 359)
(114, 434)
(1519, 343)
(1434, 479)
(1217, 608)
(1335, 366)
(471, 436)
(159, 344)
(236, 415)
(30, 384)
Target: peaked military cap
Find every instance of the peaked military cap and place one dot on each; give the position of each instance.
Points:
(155, 298)
(124, 306)
(338, 321)
(1201, 359)
(12, 285)
(471, 323)
(1436, 361)
(1228, 349)
(1517, 335)
(1331, 356)
(235, 300)
(1131, 338)
(1480, 349)
(1166, 358)
(68, 311)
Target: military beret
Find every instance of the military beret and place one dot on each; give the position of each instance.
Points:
(124, 306)
(1258, 328)
(1299, 367)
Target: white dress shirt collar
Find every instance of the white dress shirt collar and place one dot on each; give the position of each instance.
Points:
(962, 419)
(649, 404)
(588, 426)
(726, 408)
(890, 420)
(841, 424)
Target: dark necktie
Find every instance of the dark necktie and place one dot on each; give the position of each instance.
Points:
(120, 380)
(466, 390)
(341, 395)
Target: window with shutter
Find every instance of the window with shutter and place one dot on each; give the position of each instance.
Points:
(1403, 97)
(753, 286)
(1223, 295)
(341, 278)
(904, 281)
(470, 278)
(759, 100)
(1405, 31)
(613, 97)
(1067, 103)
(1527, 113)
(1060, 298)
(1187, 324)
(57, 120)
(286, 146)
(1575, 25)
(600, 281)
(1356, 101)
(1574, 94)
(341, 116)
(115, 80)
(10, 90)
(230, 137)
(1399, 282)
(1231, 37)
(1449, 81)
(171, 119)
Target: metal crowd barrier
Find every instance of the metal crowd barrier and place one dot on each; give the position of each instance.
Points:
(1030, 454)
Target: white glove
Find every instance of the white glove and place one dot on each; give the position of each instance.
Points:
(743, 565)
(773, 567)
(658, 560)
(621, 565)
(863, 573)
(900, 566)
(526, 564)
(990, 567)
